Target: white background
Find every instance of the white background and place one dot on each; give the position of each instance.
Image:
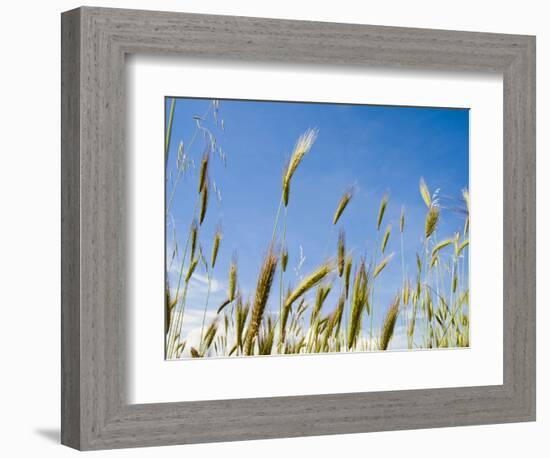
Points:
(261, 377)
(29, 233)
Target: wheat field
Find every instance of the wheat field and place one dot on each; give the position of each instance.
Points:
(344, 302)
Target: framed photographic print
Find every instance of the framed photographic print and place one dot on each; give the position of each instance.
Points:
(286, 228)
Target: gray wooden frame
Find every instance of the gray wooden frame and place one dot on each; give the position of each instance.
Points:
(95, 41)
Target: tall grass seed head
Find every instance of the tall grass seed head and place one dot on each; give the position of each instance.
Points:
(382, 210)
(303, 145)
(342, 204)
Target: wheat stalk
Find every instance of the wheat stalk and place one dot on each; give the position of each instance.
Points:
(241, 313)
(461, 247)
(309, 282)
(322, 293)
(425, 193)
(406, 292)
(169, 129)
(265, 343)
(303, 145)
(224, 304)
(232, 280)
(466, 197)
(342, 204)
(382, 210)
(203, 171)
(232, 286)
(381, 265)
(209, 337)
(359, 300)
(204, 201)
(194, 234)
(191, 269)
(441, 245)
(263, 288)
(284, 258)
(389, 324)
(432, 218)
(215, 247)
(284, 318)
(385, 238)
(338, 313)
(347, 274)
(341, 252)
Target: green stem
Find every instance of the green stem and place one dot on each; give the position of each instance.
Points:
(277, 219)
(424, 268)
(449, 324)
(405, 317)
(186, 248)
(173, 192)
(372, 305)
(454, 303)
(171, 334)
(281, 280)
(206, 305)
(175, 326)
(169, 129)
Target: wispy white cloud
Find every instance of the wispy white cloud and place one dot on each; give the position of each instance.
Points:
(200, 281)
(193, 329)
(399, 339)
(198, 286)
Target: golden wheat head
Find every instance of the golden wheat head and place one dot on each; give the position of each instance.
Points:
(432, 218)
(203, 170)
(309, 282)
(359, 302)
(191, 269)
(385, 238)
(204, 201)
(194, 234)
(232, 280)
(216, 247)
(341, 252)
(303, 145)
(389, 324)
(382, 210)
(284, 258)
(263, 288)
(347, 275)
(425, 193)
(342, 204)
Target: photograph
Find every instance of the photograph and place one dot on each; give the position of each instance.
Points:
(296, 228)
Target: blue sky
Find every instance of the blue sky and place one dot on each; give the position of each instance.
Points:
(375, 149)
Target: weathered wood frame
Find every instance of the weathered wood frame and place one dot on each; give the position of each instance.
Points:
(95, 42)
